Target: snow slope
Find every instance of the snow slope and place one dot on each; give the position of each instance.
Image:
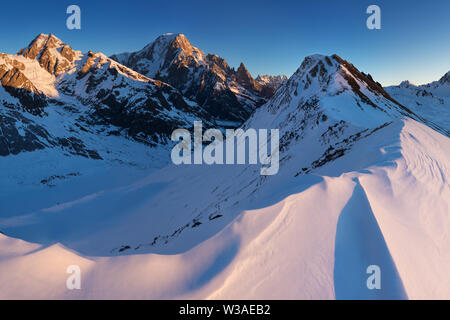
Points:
(360, 183)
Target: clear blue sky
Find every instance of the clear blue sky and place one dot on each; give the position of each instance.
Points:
(270, 37)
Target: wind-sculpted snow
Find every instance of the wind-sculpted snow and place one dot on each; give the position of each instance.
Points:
(275, 240)
(363, 180)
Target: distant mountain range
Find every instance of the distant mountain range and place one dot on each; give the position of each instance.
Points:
(231, 95)
(431, 100)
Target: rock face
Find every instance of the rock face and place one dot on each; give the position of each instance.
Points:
(14, 81)
(53, 55)
(227, 94)
(148, 110)
(407, 84)
(53, 97)
(430, 101)
(326, 107)
(445, 79)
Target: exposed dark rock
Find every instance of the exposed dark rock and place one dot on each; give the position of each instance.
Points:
(18, 86)
(32, 137)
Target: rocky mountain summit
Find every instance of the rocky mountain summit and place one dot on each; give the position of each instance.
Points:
(52, 54)
(98, 96)
(229, 95)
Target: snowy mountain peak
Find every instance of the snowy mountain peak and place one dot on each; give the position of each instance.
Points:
(171, 37)
(270, 84)
(359, 183)
(181, 40)
(84, 91)
(330, 89)
(49, 40)
(156, 57)
(15, 80)
(53, 54)
(229, 95)
(340, 75)
(271, 79)
(175, 41)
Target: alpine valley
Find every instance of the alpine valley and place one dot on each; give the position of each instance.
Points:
(86, 179)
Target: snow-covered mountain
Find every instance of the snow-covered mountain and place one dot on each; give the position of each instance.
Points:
(55, 97)
(229, 95)
(363, 181)
(432, 101)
